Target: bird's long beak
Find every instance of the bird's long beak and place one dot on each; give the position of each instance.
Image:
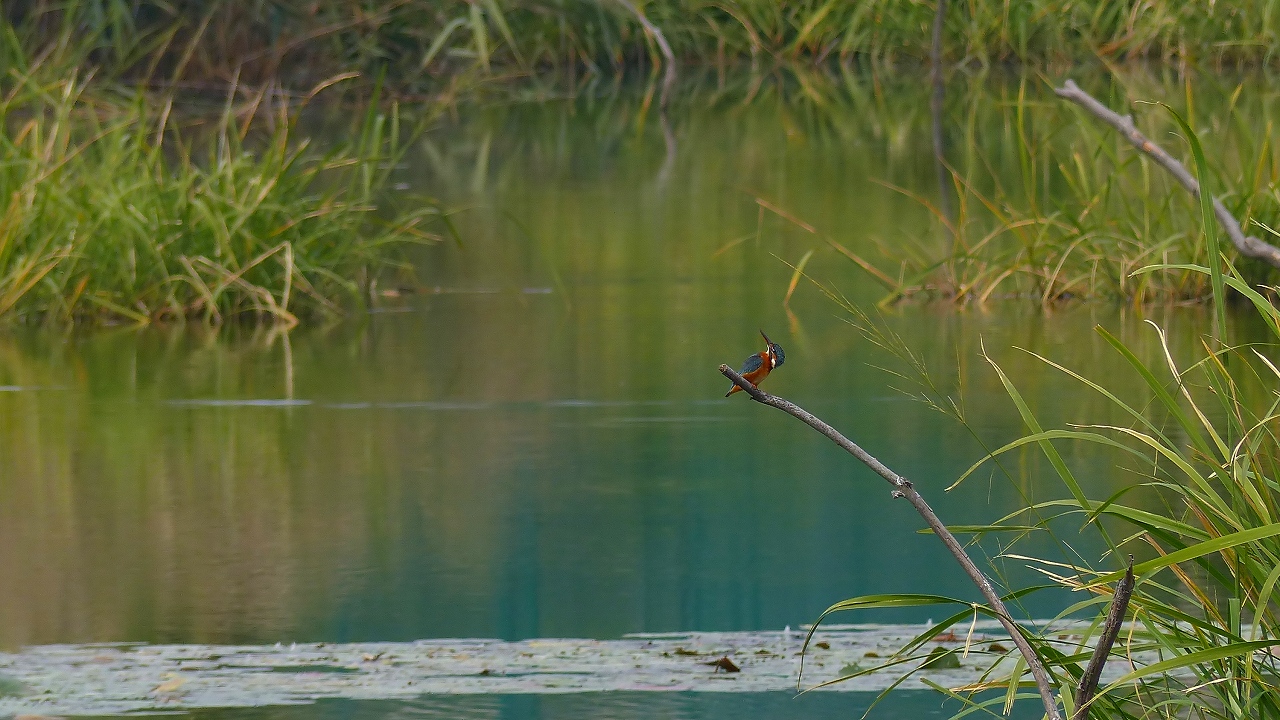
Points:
(766, 338)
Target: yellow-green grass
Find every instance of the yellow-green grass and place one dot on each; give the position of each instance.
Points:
(1050, 204)
(420, 41)
(126, 209)
(1199, 432)
(1198, 429)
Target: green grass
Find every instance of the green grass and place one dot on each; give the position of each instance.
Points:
(421, 42)
(1082, 216)
(124, 208)
(1053, 205)
(1199, 432)
(1200, 435)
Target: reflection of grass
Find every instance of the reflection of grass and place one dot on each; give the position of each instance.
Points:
(420, 40)
(111, 209)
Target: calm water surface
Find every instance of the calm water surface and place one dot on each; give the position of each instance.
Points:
(538, 444)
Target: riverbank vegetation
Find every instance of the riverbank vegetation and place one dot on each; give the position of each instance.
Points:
(123, 208)
(1197, 429)
(1198, 433)
(107, 158)
(422, 43)
(1050, 204)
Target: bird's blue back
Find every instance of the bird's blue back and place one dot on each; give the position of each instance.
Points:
(752, 364)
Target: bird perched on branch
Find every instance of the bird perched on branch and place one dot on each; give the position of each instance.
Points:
(757, 367)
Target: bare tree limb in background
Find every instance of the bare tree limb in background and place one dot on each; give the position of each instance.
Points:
(939, 18)
(1247, 245)
(902, 488)
(1110, 631)
(669, 57)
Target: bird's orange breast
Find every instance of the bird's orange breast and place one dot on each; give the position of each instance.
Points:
(760, 373)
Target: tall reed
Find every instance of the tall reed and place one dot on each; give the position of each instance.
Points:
(1200, 434)
(1201, 440)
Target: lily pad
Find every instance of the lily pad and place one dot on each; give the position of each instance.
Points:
(12, 688)
(316, 668)
(941, 659)
(98, 680)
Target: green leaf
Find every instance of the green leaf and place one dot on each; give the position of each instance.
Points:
(1162, 393)
(440, 39)
(1045, 445)
(1195, 658)
(983, 529)
(970, 705)
(1198, 550)
(500, 20)
(1047, 435)
(480, 34)
(1208, 224)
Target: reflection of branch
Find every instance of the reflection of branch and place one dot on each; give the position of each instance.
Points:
(1110, 630)
(1247, 245)
(902, 488)
(669, 77)
(668, 160)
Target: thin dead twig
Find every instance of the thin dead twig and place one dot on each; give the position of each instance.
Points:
(1246, 245)
(902, 488)
(1110, 631)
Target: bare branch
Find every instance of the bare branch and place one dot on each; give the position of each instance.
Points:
(669, 57)
(1110, 630)
(1247, 245)
(902, 488)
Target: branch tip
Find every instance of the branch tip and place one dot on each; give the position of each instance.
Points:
(1110, 631)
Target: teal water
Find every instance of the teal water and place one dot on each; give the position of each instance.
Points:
(529, 479)
(532, 439)
(624, 706)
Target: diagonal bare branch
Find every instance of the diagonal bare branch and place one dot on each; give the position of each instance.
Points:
(902, 488)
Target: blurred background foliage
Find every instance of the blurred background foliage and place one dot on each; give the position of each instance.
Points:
(420, 43)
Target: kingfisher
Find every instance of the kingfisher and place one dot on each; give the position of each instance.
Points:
(757, 367)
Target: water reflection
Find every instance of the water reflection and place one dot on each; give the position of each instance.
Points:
(493, 466)
(663, 706)
(535, 443)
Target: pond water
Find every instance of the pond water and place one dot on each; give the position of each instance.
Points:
(535, 443)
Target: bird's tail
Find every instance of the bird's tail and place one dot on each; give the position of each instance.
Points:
(733, 390)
